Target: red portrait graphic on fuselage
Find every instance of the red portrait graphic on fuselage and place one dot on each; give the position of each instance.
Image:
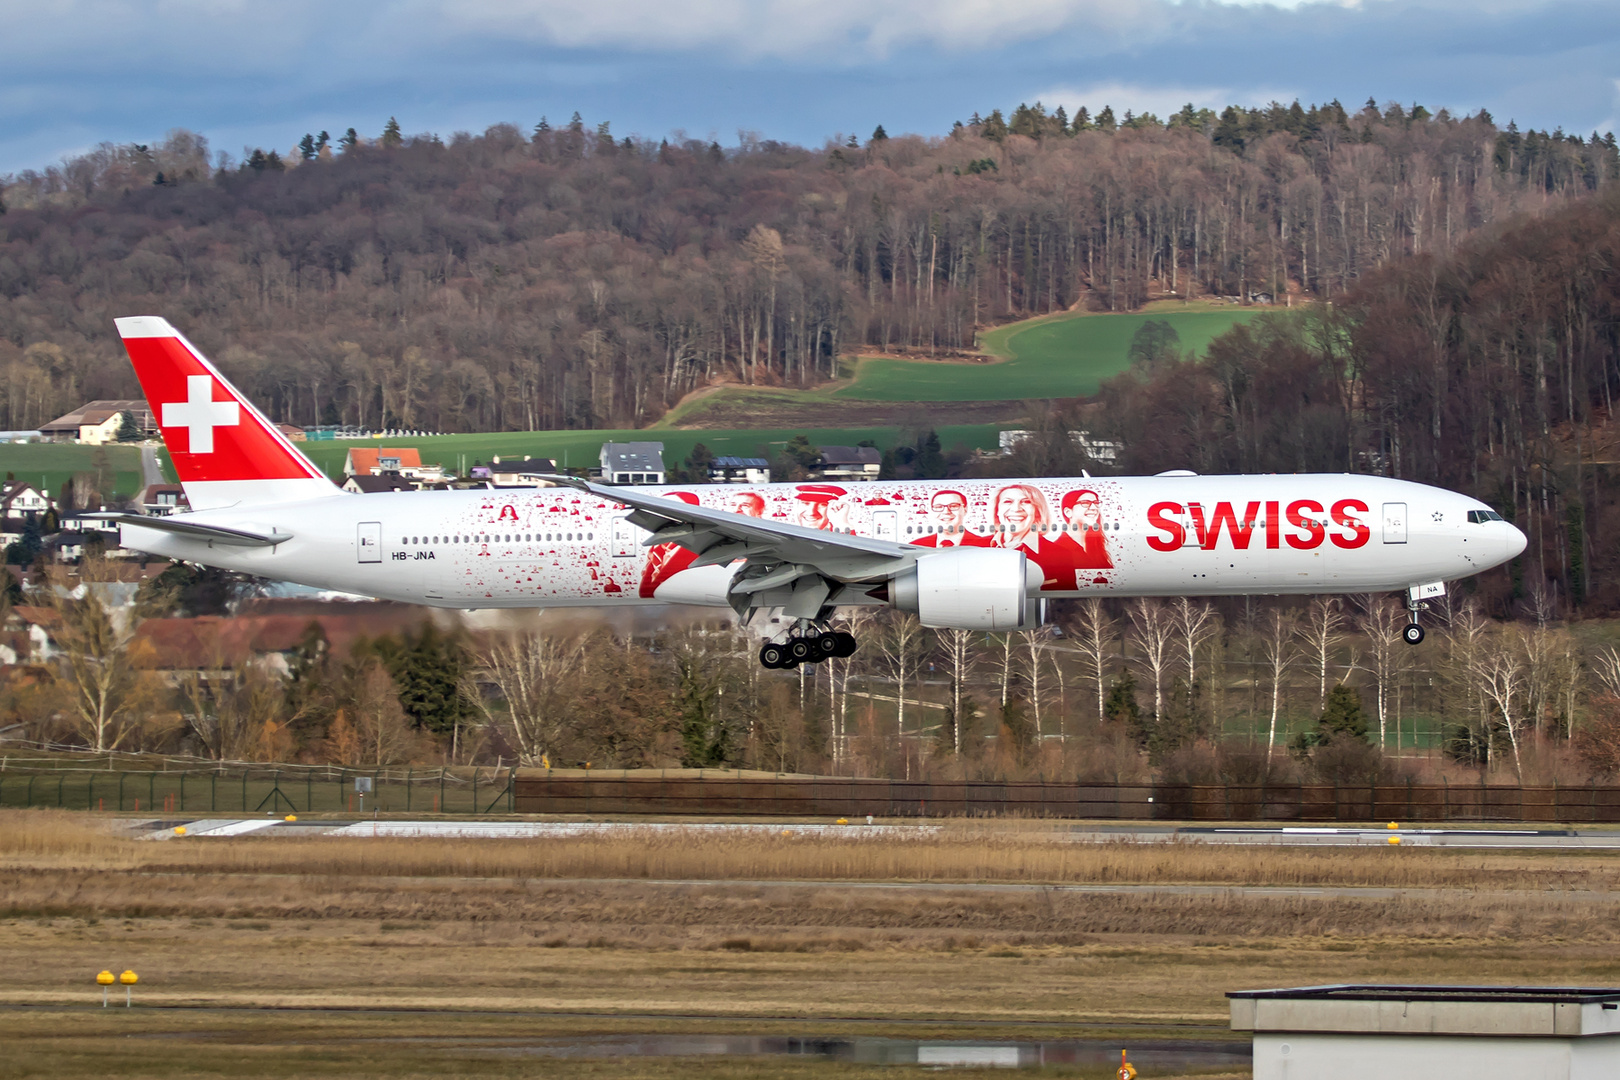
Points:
(949, 510)
(748, 503)
(664, 561)
(1021, 520)
(821, 506)
(1081, 546)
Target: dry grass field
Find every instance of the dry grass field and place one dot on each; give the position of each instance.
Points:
(462, 950)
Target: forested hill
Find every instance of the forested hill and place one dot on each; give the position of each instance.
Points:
(566, 278)
(1491, 369)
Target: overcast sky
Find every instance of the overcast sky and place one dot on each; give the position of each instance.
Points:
(262, 72)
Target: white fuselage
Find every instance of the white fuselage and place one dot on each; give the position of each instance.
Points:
(1127, 536)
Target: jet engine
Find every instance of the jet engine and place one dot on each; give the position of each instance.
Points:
(969, 588)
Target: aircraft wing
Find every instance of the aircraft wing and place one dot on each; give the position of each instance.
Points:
(784, 565)
(214, 534)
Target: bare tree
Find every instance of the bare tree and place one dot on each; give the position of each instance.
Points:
(1500, 669)
(100, 665)
(1093, 631)
(530, 669)
(1383, 622)
(1195, 624)
(1035, 660)
(1151, 620)
(902, 645)
(957, 648)
(1606, 666)
(1278, 642)
(1324, 625)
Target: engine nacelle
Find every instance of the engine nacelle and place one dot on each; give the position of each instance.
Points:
(969, 588)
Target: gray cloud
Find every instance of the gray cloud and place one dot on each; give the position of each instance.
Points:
(79, 71)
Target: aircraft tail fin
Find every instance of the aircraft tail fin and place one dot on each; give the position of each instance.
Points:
(225, 451)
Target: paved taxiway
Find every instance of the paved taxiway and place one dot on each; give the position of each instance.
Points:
(1555, 839)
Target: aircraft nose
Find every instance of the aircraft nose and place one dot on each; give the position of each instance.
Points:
(1513, 543)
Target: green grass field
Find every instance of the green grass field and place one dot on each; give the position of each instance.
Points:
(51, 465)
(575, 449)
(1058, 356)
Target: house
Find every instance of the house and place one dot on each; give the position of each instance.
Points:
(739, 470)
(1102, 451)
(633, 463)
(292, 432)
(848, 463)
(371, 485)
(22, 502)
(161, 500)
(269, 633)
(30, 633)
(526, 472)
(404, 460)
(98, 422)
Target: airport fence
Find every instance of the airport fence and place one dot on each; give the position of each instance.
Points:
(837, 797)
(252, 789)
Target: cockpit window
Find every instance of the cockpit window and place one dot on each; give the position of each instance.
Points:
(1479, 517)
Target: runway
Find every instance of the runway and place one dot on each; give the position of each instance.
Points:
(1554, 839)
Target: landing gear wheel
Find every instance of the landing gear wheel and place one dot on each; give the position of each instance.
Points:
(846, 644)
(1413, 634)
(799, 650)
(824, 646)
(772, 655)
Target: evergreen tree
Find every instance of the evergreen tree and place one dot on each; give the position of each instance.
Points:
(428, 670)
(929, 463)
(391, 135)
(273, 162)
(879, 135)
(128, 429)
(1082, 120)
(1120, 706)
(322, 141)
(994, 127)
(1060, 119)
(542, 129)
(1342, 717)
(350, 140)
(1105, 119)
(306, 147)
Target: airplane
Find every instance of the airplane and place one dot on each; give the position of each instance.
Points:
(963, 554)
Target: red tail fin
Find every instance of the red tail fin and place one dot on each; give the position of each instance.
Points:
(224, 450)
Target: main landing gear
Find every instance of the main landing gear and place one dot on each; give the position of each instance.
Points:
(807, 648)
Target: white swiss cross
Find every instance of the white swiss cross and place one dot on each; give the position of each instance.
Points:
(200, 414)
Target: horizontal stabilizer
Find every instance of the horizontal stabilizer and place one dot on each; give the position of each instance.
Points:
(214, 534)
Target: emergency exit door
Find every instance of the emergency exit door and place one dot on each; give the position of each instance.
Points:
(624, 539)
(368, 543)
(1394, 523)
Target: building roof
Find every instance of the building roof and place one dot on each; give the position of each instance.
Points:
(70, 422)
(741, 463)
(208, 640)
(362, 459)
(850, 455)
(371, 485)
(633, 456)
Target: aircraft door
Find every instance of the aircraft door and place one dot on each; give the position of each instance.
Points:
(624, 539)
(885, 525)
(368, 541)
(1394, 523)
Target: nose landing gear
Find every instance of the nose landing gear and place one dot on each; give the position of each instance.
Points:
(1413, 632)
(811, 647)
